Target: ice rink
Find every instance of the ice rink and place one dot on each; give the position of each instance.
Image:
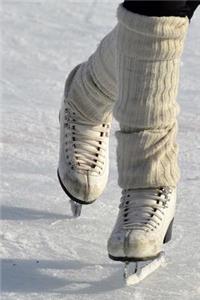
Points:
(46, 254)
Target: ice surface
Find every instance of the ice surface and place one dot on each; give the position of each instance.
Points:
(45, 253)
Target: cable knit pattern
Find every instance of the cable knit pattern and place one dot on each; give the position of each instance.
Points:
(93, 88)
(147, 64)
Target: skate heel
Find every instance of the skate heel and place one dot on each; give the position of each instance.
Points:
(76, 204)
(168, 234)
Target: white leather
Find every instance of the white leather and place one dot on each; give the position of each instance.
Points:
(83, 179)
(137, 239)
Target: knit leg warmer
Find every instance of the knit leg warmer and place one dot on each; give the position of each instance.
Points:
(93, 86)
(148, 53)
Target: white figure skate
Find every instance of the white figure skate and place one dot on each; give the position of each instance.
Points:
(143, 225)
(83, 159)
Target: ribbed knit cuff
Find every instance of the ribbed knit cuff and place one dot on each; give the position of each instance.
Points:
(171, 27)
(147, 64)
(148, 158)
(147, 33)
(93, 88)
(102, 64)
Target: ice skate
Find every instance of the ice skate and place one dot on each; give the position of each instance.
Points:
(143, 225)
(134, 272)
(85, 121)
(148, 58)
(83, 161)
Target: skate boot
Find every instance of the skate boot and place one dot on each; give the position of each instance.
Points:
(143, 225)
(85, 121)
(83, 161)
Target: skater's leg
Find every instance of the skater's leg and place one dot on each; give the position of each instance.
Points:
(162, 8)
(148, 61)
(148, 51)
(157, 8)
(85, 119)
(93, 87)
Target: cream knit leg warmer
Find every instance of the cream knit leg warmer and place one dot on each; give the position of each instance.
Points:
(148, 60)
(93, 88)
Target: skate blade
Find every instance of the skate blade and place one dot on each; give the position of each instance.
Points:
(75, 208)
(135, 272)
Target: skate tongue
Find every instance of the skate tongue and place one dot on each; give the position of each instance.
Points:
(135, 272)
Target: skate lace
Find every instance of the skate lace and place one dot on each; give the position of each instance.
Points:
(86, 143)
(143, 209)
